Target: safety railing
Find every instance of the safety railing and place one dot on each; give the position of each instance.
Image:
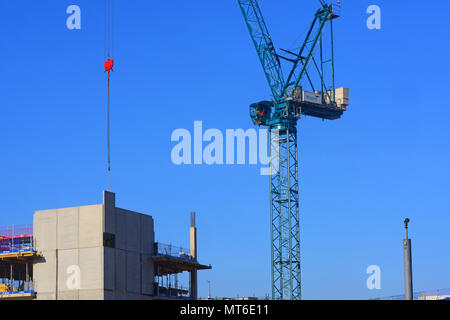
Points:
(16, 239)
(172, 251)
(438, 294)
(18, 287)
(336, 8)
(16, 230)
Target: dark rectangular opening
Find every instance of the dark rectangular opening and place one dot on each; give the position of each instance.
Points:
(109, 240)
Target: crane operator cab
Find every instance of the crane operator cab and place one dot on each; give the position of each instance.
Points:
(260, 112)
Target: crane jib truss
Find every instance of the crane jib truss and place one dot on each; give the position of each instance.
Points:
(281, 115)
(264, 46)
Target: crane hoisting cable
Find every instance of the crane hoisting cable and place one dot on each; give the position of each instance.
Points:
(109, 63)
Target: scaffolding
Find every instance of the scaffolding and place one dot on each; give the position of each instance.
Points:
(16, 262)
(16, 239)
(169, 262)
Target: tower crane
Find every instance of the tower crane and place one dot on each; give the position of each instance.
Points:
(307, 90)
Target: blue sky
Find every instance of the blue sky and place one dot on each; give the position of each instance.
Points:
(179, 61)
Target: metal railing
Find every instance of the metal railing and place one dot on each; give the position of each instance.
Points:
(337, 8)
(16, 238)
(438, 294)
(16, 287)
(172, 251)
(16, 230)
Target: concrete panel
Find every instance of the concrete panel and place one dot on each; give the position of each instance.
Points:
(90, 226)
(121, 227)
(44, 273)
(44, 230)
(133, 233)
(66, 259)
(109, 215)
(109, 295)
(147, 275)
(109, 207)
(110, 262)
(67, 228)
(91, 295)
(133, 296)
(119, 295)
(91, 265)
(121, 270)
(68, 295)
(46, 296)
(133, 272)
(147, 235)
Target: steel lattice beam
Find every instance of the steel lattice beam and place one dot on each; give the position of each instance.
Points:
(263, 45)
(284, 214)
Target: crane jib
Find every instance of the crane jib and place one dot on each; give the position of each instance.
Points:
(264, 46)
(270, 60)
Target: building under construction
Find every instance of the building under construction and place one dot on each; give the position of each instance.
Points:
(94, 252)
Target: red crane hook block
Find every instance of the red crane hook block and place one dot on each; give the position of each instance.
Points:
(109, 66)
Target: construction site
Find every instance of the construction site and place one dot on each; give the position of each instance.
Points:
(105, 252)
(97, 252)
(114, 249)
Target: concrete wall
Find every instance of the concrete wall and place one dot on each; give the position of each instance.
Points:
(71, 241)
(128, 273)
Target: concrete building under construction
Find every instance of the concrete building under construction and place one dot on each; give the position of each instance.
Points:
(94, 252)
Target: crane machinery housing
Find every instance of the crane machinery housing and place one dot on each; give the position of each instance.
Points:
(309, 90)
